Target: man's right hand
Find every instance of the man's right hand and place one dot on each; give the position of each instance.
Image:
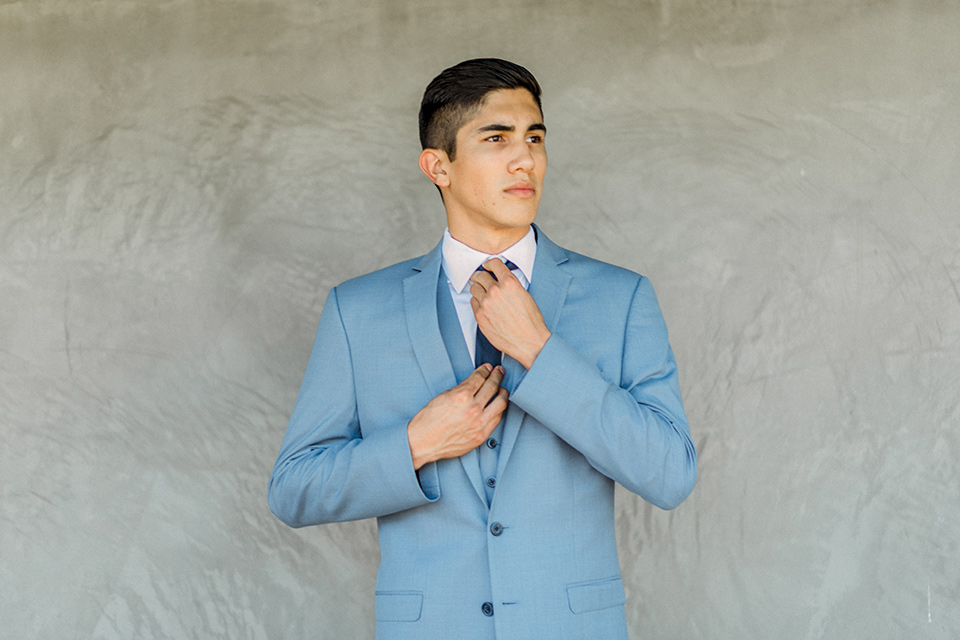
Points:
(459, 419)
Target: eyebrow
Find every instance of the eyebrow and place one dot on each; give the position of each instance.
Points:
(539, 126)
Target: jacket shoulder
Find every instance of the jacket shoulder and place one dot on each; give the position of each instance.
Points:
(379, 281)
(586, 269)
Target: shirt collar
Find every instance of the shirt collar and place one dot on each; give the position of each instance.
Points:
(460, 261)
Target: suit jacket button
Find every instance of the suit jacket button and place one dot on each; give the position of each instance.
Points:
(491, 482)
(492, 443)
(496, 528)
(487, 609)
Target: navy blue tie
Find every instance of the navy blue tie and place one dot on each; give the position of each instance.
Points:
(486, 352)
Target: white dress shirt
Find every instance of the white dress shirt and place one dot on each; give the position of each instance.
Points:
(460, 261)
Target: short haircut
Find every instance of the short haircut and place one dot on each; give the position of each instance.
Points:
(454, 96)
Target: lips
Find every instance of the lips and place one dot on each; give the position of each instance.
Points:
(521, 190)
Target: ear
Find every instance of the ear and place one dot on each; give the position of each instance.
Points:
(433, 163)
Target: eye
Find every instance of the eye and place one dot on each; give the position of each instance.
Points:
(494, 138)
(535, 138)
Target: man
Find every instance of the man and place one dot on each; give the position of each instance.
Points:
(492, 481)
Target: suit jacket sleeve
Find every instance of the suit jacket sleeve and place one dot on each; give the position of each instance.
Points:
(327, 470)
(633, 429)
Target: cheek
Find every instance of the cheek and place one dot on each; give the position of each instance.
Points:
(542, 161)
(482, 188)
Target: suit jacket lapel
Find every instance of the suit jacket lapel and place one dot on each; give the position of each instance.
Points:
(423, 327)
(549, 290)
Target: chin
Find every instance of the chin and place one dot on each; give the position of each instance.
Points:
(520, 218)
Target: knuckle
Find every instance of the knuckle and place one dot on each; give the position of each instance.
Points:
(473, 411)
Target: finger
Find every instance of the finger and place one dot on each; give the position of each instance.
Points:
(477, 291)
(476, 379)
(498, 268)
(483, 278)
(489, 387)
(496, 406)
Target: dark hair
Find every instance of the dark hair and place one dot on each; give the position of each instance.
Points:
(454, 96)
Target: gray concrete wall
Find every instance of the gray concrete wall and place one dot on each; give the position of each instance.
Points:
(181, 183)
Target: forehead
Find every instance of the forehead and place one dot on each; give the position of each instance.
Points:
(515, 107)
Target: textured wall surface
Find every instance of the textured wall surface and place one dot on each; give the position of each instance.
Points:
(181, 183)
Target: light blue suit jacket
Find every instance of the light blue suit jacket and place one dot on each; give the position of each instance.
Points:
(600, 404)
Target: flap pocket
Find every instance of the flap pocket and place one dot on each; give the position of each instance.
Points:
(596, 595)
(398, 606)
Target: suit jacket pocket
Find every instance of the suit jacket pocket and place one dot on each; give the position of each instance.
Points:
(596, 595)
(398, 606)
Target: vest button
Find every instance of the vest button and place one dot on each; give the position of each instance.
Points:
(491, 482)
(487, 609)
(492, 443)
(496, 528)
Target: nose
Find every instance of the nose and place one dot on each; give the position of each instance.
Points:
(523, 159)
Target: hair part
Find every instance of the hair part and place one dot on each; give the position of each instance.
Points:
(454, 96)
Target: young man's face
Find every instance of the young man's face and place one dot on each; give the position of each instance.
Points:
(496, 179)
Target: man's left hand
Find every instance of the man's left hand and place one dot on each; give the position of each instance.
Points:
(507, 314)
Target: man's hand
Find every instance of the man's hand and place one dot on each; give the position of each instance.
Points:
(507, 314)
(459, 419)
